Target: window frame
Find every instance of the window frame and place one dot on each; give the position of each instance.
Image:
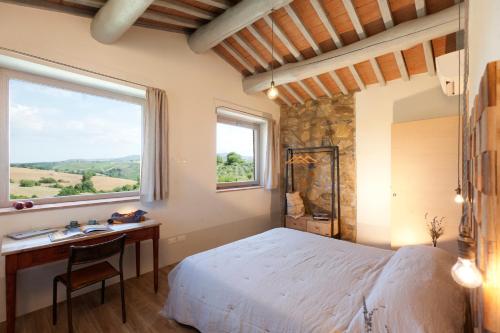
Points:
(5, 76)
(235, 120)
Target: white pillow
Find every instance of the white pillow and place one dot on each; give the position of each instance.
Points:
(294, 205)
(415, 293)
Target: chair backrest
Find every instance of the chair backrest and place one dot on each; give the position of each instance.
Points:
(79, 255)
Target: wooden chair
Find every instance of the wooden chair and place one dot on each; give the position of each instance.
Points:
(89, 275)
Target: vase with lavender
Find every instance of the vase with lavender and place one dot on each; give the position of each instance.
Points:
(435, 227)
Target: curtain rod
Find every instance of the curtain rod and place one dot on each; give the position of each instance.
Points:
(71, 66)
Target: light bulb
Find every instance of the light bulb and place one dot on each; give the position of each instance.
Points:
(273, 92)
(466, 274)
(459, 199)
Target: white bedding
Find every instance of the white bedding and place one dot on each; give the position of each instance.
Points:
(282, 280)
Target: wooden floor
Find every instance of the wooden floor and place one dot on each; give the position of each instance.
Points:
(89, 316)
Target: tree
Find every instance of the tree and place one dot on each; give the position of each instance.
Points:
(233, 158)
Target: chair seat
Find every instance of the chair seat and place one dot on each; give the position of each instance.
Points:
(89, 275)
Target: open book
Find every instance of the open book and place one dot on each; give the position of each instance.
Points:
(77, 232)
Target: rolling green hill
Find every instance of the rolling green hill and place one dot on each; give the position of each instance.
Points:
(124, 167)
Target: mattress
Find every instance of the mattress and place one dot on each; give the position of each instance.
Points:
(282, 280)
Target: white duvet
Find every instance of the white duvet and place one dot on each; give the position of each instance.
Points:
(285, 280)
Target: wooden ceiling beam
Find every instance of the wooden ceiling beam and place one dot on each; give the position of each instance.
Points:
(322, 86)
(237, 56)
(293, 93)
(357, 78)
(385, 10)
(170, 19)
(253, 53)
(400, 37)
(285, 99)
(309, 38)
(284, 39)
(115, 18)
(378, 72)
(303, 30)
(230, 22)
(386, 13)
(320, 11)
(221, 4)
(420, 8)
(148, 14)
(429, 56)
(265, 43)
(351, 11)
(183, 8)
(247, 47)
(400, 61)
(307, 90)
(339, 82)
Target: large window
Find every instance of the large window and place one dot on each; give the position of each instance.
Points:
(238, 151)
(67, 142)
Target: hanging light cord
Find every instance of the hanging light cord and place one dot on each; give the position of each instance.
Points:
(272, 45)
(459, 98)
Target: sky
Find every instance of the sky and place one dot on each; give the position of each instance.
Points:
(51, 124)
(234, 139)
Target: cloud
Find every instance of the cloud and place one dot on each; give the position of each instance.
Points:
(26, 117)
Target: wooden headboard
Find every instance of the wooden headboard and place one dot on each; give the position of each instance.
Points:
(481, 158)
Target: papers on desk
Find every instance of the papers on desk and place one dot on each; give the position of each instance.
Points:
(77, 232)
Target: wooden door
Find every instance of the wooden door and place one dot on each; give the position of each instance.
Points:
(424, 176)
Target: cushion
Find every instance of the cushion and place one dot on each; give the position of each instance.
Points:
(294, 205)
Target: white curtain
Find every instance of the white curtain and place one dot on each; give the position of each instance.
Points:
(272, 151)
(154, 167)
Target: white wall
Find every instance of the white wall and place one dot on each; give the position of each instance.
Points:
(192, 82)
(374, 116)
(484, 39)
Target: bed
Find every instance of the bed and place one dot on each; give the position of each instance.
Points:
(285, 280)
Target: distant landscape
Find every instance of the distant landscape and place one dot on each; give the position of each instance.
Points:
(73, 177)
(233, 167)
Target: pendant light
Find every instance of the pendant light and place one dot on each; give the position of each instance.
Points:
(272, 92)
(459, 199)
(464, 272)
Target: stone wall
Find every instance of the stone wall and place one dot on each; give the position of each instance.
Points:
(316, 123)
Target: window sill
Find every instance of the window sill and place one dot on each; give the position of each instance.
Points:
(231, 189)
(71, 204)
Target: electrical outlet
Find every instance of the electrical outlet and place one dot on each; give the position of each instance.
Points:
(172, 240)
(181, 238)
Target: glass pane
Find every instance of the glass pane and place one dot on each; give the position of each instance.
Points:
(235, 154)
(65, 143)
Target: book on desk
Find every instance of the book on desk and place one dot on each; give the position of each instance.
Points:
(77, 232)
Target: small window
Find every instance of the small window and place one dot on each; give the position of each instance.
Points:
(69, 143)
(238, 151)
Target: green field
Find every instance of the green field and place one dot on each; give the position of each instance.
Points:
(73, 177)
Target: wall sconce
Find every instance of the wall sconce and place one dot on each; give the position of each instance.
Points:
(465, 272)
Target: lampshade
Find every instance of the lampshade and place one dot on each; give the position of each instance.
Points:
(466, 274)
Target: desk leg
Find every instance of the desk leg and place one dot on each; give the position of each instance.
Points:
(10, 290)
(138, 259)
(155, 257)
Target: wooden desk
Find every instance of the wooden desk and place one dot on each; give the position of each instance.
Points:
(20, 254)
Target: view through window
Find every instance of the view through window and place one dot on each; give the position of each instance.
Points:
(236, 153)
(65, 142)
